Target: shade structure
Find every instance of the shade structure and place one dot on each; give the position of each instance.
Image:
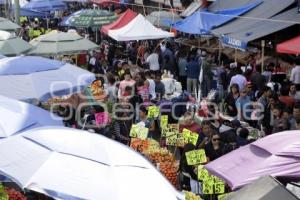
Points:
(202, 22)
(65, 163)
(159, 18)
(89, 18)
(46, 5)
(21, 2)
(11, 45)
(138, 29)
(31, 78)
(240, 38)
(33, 13)
(277, 155)
(56, 42)
(17, 116)
(265, 188)
(105, 2)
(7, 25)
(291, 46)
(123, 20)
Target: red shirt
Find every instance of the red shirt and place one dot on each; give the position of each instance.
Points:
(287, 100)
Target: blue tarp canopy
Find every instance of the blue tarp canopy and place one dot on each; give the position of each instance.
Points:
(240, 38)
(46, 5)
(201, 22)
(31, 13)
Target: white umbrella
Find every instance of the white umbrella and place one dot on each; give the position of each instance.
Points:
(68, 163)
(11, 45)
(17, 116)
(7, 25)
(31, 78)
(57, 42)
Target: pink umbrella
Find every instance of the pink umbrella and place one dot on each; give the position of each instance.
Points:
(277, 155)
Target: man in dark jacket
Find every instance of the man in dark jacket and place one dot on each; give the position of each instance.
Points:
(193, 71)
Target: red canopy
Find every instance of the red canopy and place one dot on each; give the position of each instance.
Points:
(290, 47)
(123, 20)
(105, 2)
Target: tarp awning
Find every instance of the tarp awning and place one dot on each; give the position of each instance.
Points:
(291, 46)
(265, 188)
(265, 10)
(123, 20)
(260, 29)
(138, 29)
(201, 22)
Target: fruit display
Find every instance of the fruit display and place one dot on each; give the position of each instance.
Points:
(14, 194)
(191, 196)
(166, 163)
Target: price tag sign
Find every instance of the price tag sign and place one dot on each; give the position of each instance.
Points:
(171, 139)
(164, 132)
(193, 139)
(196, 157)
(202, 173)
(134, 131)
(164, 121)
(189, 136)
(180, 140)
(222, 196)
(137, 131)
(219, 188)
(153, 111)
(186, 135)
(208, 186)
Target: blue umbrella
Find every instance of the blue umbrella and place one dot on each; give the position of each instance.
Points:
(17, 116)
(31, 78)
(46, 5)
(32, 13)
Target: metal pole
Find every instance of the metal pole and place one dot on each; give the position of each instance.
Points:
(17, 11)
(263, 44)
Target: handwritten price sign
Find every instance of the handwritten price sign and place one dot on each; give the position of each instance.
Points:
(137, 131)
(189, 136)
(196, 157)
(164, 121)
(153, 111)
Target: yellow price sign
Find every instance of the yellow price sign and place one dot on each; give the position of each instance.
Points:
(186, 135)
(219, 187)
(193, 139)
(190, 137)
(202, 173)
(153, 111)
(164, 132)
(137, 131)
(180, 140)
(171, 139)
(208, 186)
(222, 196)
(196, 157)
(164, 121)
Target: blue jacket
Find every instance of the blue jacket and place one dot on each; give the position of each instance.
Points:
(193, 69)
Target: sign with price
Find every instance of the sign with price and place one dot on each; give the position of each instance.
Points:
(164, 132)
(171, 139)
(180, 140)
(208, 186)
(137, 131)
(196, 157)
(164, 121)
(153, 111)
(190, 137)
(202, 173)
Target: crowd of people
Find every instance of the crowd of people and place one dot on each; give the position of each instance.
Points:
(129, 79)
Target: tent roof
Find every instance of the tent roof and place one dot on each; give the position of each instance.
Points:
(265, 10)
(291, 46)
(265, 188)
(202, 21)
(123, 20)
(138, 29)
(263, 28)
